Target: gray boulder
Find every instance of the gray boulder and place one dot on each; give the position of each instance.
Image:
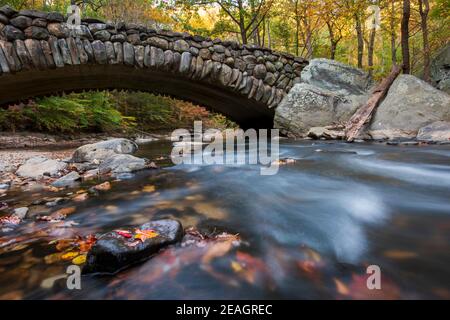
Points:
(337, 77)
(37, 167)
(307, 106)
(67, 181)
(122, 163)
(438, 131)
(440, 70)
(115, 251)
(102, 150)
(410, 105)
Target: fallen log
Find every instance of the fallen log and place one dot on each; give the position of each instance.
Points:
(364, 114)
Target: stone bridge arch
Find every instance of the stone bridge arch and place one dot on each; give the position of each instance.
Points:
(41, 55)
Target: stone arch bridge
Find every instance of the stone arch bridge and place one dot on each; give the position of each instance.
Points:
(41, 55)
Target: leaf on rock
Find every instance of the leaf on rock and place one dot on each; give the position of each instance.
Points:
(145, 234)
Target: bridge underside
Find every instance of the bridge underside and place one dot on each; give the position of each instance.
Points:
(37, 83)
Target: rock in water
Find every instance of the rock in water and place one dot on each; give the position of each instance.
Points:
(122, 163)
(410, 105)
(67, 181)
(436, 132)
(119, 249)
(37, 167)
(104, 149)
(330, 93)
(308, 106)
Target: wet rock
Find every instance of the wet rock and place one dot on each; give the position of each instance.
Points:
(104, 149)
(436, 132)
(38, 167)
(21, 213)
(122, 163)
(115, 251)
(410, 105)
(326, 133)
(67, 181)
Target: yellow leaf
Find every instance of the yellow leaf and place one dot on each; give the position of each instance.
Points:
(236, 266)
(341, 287)
(149, 189)
(81, 259)
(398, 254)
(145, 234)
(69, 255)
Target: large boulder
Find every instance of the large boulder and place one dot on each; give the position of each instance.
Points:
(122, 163)
(438, 131)
(337, 77)
(38, 167)
(440, 70)
(307, 106)
(409, 105)
(330, 93)
(103, 150)
(119, 249)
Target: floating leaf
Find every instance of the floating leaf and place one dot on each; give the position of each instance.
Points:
(149, 189)
(81, 259)
(103, 186)
(341, 288)
(69, 255)
(400, 255)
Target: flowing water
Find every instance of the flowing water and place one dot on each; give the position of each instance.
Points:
(309, 232)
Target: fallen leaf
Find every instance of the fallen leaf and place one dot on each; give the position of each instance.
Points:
(341, 288)
(81, 197)
(103, 186)
(10, 220)
(124, 233)
(145, 234)
(81, 259)
(69, 255)
(149, 189)
(400, 255)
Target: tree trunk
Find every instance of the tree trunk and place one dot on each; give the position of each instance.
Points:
(360, 38)
(363, 115)
(405, 36)
(424, 9)
(393, 34)
(370, 48)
